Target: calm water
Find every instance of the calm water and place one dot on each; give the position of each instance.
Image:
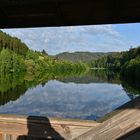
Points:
(87, 97)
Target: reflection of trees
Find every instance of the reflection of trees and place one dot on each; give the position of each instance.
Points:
(13, 86)
(10, 81)
(131, 86)
(12, 94)
(93, 76)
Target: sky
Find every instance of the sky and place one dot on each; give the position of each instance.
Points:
(93, 38)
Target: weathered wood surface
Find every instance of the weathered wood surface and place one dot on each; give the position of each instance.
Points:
(43, 127)
(124, 120)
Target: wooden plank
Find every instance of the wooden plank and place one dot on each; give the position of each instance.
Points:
(124, 121)
(44, 127)
(1, 137)
(24, 119)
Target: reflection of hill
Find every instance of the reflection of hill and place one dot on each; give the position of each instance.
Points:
(131, 86)
(86, 79)
(94, 76)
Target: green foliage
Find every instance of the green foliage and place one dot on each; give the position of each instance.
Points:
(12, 43)
(32, 55)
(80, 56)
(15, 57)
(128, 63)
(132, 67)
(10, 62)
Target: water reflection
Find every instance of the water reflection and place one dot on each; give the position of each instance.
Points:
(90, 96)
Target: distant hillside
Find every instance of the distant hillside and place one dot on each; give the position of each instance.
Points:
(80, 56)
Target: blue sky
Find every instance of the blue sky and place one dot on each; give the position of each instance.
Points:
(95, 38)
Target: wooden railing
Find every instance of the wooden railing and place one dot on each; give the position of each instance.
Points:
(20, 127)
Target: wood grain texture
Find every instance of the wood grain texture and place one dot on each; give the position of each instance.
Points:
(42, 127)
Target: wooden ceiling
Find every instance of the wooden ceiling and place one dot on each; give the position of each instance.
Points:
(44, 13)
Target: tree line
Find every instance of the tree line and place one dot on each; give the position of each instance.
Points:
(18, 63)
(127, 63)
(16, 57)
(12, 43)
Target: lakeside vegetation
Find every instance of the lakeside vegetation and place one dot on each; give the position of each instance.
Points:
(127, 63)
(17, 58)
(22, 68)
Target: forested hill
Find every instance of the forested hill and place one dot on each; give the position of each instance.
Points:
(17, 58)
(12, 43)
(19, 64)
(128, 62)
(81, 56)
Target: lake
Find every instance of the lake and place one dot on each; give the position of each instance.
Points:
(90, 96)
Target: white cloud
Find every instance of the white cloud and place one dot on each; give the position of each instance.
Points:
(101, 30)
(81, 38)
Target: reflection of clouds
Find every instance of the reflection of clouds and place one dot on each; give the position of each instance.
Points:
(57, 99)
(81, 38)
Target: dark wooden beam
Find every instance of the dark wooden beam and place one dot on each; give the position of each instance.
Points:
(36, 13)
